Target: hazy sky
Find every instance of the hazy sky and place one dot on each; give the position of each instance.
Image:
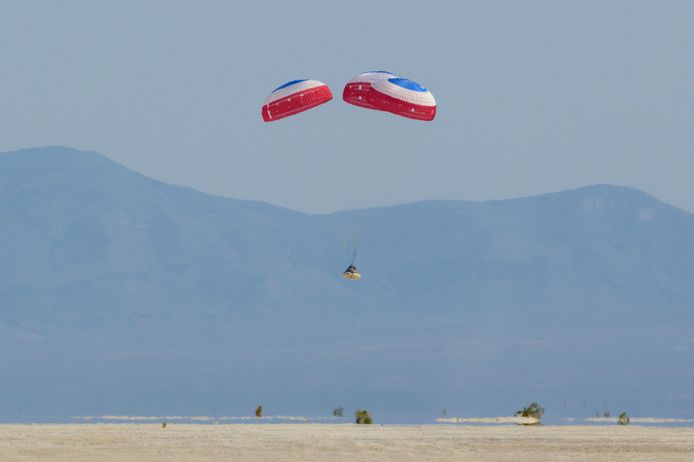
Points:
(532, 96)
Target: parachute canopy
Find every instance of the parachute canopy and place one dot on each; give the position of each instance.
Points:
(402, 97)
(358, 87)
(295, 97)
(351, 273)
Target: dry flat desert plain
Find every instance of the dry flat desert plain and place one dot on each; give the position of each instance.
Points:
(341, 442)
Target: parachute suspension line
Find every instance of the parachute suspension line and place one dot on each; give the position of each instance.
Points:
(356, 239)
(342, 236)
(350, 237)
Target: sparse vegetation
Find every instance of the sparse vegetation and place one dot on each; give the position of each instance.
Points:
(339, 412)
(534, 410)
(623, 419)
(363, 417)
(259, 412)
(163, 425)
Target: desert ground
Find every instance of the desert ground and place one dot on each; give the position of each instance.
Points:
(341, 442)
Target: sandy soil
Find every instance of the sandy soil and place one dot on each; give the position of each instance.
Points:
(328, 442)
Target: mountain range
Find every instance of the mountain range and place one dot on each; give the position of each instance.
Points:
(120, 294)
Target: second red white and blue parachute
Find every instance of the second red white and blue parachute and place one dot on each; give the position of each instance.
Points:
(383, 91)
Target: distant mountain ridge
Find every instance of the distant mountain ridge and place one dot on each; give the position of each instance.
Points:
(122, 294)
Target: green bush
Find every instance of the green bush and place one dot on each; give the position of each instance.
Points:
(363, 417)
(533, 410)
(623, 419)
(259, 412)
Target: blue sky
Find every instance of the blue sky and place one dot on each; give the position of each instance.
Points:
(533, 96)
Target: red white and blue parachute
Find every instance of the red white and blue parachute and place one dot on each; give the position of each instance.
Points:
(403, 97)
(295, 97)
(358, 87)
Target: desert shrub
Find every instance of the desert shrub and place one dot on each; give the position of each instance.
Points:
(259, 412)
(623, 419)
(163, 425)
(533, 410)
(339, 411)
(362, 416)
